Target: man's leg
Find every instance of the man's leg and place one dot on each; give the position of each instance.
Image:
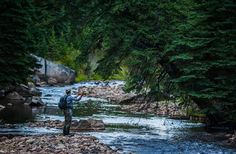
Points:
(67, 124)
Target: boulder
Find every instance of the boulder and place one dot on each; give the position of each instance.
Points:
(54, 73)
(35, 92)
(88, 125)
(23, 90)
(52, 81)
(2, 107)
(36, 79)
(36, 101)
(28, 91)
(14, 96)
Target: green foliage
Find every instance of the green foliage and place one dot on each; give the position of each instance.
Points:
(15, 42)
(182, 47)
(208, 72)
(168, 48)
(121, 75)
(81, 77)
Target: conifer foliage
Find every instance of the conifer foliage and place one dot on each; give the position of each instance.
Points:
(183, 44)
(16, 62)
(170, 47)
(203, 50)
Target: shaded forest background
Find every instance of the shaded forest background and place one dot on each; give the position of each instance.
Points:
(163, 48)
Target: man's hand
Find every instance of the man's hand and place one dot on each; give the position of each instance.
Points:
(81, 94)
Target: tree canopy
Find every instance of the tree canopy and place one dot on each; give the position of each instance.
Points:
(15, 44)
(190, 42)
(169, 47)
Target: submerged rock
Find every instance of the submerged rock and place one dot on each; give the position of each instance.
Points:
(88, 125)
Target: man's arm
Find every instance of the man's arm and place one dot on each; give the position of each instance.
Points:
(78, 97)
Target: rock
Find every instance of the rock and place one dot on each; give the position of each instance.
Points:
(30, 141)
(3, 139)
(35, 92)
(36, 79)
(31, 85)
(9, 104)
(42, 83)
(20, 92)
(14, 96)
(52, 81)
(111, 93)
(56, 73)
(60, 146)
(2, 107)
(36, 101)
(54, 144)
(232, 139)
(88, 125)
(2, 93)
(48, 95)
(27, 91)
(23, 90)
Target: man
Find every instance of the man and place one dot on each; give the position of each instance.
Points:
(68, 110)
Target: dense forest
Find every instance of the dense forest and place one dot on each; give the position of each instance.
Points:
(164, 48)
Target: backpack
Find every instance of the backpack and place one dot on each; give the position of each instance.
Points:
(63, 103)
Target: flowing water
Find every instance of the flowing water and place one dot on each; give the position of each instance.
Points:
(126, 132)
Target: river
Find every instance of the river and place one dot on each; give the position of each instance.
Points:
(126, 132)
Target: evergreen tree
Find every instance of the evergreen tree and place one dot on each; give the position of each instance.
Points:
(203, 50)
(191, 42)
(53, 32)
(15, 60)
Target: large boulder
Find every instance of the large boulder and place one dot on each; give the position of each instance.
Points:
(54, 73)
(27, 91)
(88, 125)
(14, 96)
(25, 94)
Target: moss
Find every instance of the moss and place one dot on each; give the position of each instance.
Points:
(81, 77)
(198, 114)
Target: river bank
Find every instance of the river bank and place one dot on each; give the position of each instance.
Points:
(132, 102)
(222, 138)
(72, 144)
(135, 132)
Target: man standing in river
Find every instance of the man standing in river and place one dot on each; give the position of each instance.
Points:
(68, 111)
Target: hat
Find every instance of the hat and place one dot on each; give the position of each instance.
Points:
(68, 91)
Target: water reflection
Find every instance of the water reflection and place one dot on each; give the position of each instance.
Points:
(17, 114)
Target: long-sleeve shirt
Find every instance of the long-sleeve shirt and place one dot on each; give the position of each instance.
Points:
(70, 100)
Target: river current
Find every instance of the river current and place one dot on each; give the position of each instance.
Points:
(126, 132)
